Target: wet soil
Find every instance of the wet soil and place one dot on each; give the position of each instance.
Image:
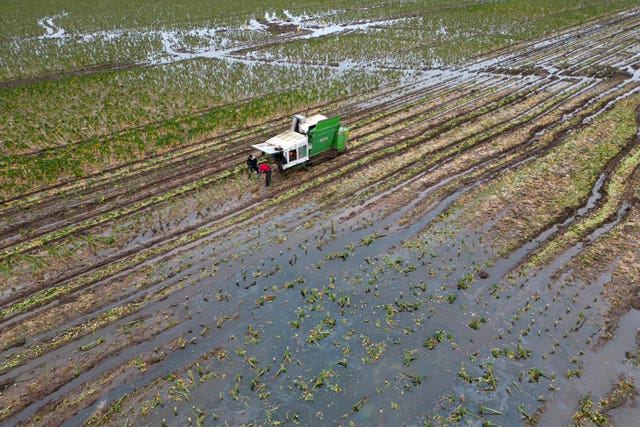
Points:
(472, 258)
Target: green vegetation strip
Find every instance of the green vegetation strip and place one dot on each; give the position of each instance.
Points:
(417, 165)
(20, 173)
(614, 190)
(55, 292)
(6, 253)
(129, 170)
(101, 320)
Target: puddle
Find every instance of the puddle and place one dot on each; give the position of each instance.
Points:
(52, 31)
(218, 43)
(599, 368)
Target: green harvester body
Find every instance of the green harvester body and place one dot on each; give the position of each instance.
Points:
(327, 134)
(308, 137)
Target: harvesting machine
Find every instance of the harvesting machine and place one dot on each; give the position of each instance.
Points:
(308, 137)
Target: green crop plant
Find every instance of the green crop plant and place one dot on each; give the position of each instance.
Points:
(373, 351)
(588, 413)
(409, 356)
(320, 331)
(356, 407)
(265, 298)
(252, 335)
(475, 322)
(570, 373)
(526, 416)
(438, 337)
(485, 410)
(535, 374)
(465, 281)
(521, 353)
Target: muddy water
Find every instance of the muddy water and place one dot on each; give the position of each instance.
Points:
(388, 376)
(606, 363)
(435, 330)
(364, 309)
(218, 43)
(325, 313)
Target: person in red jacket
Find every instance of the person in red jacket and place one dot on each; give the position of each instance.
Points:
(264, 168)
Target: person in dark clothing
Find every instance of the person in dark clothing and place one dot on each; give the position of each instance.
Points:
(252, 164)
(279, 158)
(264, 168)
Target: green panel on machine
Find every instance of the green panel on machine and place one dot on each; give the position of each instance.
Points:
(307, 137)
(323, 135)
(341, 138)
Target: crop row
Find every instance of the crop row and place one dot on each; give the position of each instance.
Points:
(59, 112)
(441, 35)
(33, 171)
(573, 193)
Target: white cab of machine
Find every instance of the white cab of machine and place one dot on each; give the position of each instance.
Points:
(292, 146)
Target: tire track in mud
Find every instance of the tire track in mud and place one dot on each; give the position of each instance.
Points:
(606, 50)
(480, 169)
(174, 371)
(168, 170)
(108, 260)
(77, 228)
(128, 254)
(158, 184)
(608, 209)
(500, 168)
(556, 278)
(370, 154)
(481, 135)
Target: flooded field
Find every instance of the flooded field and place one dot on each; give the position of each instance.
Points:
(472, 258)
